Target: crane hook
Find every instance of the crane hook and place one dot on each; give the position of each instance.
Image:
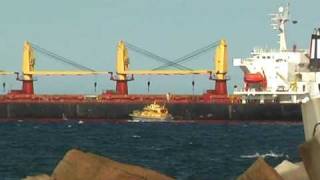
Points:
(95, 86)
(4, 86)
(193, 83)
(148, 84)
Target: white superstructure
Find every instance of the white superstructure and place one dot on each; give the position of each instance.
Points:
(279, 75)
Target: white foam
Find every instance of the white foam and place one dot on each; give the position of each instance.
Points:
(136, 136)
(269, 154)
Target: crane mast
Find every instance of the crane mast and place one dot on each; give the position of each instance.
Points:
(221, 60)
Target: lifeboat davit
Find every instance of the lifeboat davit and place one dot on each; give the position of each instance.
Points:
(254, 78)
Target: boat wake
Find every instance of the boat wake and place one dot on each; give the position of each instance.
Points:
(269, 154)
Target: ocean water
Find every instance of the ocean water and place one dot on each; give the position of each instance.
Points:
(186, 151)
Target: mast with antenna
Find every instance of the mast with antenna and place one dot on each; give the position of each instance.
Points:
(279, 21)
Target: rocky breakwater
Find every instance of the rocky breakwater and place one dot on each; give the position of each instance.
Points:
(78, 165)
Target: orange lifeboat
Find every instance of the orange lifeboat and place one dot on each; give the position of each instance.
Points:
(254, 78)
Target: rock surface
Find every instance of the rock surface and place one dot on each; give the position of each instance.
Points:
(292, 171)
(260, 170)
(310, 154)
(77, 165)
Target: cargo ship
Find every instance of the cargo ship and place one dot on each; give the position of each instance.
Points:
(275, 83)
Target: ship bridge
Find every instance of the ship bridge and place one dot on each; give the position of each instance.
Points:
(271, 74)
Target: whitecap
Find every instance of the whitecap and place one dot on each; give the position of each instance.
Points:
(80, 122)
(269, 154)
(274, 155)
(251, 156)
(136, 136)
(64, 117)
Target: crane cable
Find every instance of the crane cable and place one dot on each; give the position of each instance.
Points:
(191, 55)
(60, 58)
(155, 56)
(168, 63)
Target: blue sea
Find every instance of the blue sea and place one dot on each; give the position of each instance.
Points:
(186, 151)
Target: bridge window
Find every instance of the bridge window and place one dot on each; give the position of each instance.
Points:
(280, 60)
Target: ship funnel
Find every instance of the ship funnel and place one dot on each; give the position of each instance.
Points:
(315, 50)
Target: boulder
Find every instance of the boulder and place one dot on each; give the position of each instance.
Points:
(310, 154)
(292, 171)
(78, 165)
(260, 170)
(38, 177)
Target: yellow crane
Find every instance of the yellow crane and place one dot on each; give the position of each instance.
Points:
(122, 67)
(28, 70)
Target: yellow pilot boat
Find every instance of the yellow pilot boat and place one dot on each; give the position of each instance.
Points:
(151, 113)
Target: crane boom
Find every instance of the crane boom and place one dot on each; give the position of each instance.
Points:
(6, 72)
(67, 73)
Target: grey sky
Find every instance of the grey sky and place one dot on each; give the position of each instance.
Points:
(88, 31)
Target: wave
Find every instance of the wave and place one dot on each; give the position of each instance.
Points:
(269, 154)
(136, 136)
